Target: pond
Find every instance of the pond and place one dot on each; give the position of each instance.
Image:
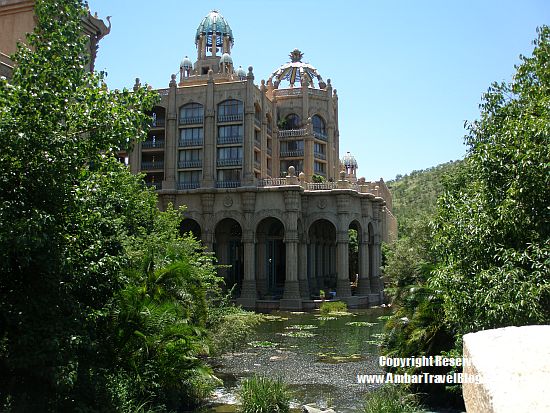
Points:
(318, 357)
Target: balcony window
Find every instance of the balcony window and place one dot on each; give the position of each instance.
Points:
(191, 137)
(192, 113)
(228, 178)
(319, 129)
(190, 158)
(230, 111)
(230, 134)
(298, 164)
(189, 179)
(319, 168)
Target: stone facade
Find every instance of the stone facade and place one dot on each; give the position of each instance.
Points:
(243, 159)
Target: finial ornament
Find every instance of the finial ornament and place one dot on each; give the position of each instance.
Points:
(296, 55)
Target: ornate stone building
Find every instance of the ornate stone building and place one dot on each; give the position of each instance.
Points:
(246, 160)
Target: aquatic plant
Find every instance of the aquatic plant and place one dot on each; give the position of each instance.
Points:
(330, 307)
(263, 344)
(335, 358)
(301, 327)
(360, 324)
(263, 395)
(300, 334)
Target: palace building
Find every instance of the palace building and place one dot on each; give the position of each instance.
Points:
(258, 169)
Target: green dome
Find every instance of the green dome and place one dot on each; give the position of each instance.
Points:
(214, 22)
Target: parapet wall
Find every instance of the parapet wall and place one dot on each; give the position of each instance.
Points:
(513, 365)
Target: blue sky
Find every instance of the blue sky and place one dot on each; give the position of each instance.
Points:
(408, 73)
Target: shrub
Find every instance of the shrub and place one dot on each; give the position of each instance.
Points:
(329, 307)
(264, 395)
(391, 399)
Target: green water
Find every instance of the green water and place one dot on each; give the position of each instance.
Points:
(319, 357)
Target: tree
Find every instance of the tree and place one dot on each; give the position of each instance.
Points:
(66, 207)
(492, 233)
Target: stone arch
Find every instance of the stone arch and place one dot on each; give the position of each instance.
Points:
(270, 257)
(319, 125)
(316, 216)
(322, 256)
(228, 248)
(271, 213)
(189, 225)
(191, 113)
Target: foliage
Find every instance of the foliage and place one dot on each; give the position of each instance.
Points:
(318, 179)
(391, 399)
(331, 307)
(264, 395)
(492, 231)
(353, 253)
(65, 207)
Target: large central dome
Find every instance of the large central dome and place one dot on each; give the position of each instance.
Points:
(296, 71)
(214, 22)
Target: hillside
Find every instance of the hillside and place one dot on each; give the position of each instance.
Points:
(415, 195)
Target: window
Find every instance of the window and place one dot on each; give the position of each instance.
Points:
(292, 121)
(191, 113)
(190, 176)
(193, 135)
(319, 126)
(296, 163)
(231, 152)
(319, 168)
(292, 146)
(230, 110)
(190, 155)
(319, 148)
(231, 175)
(230, 134)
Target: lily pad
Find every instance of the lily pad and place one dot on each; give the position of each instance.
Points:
(360, 324)
(301, 327)
(335, 358)
(383, 317)
(326, 318)
(270, 317)
(263, 344)
(301, 334)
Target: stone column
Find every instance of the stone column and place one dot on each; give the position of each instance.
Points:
(261, 258)
(209, 145)
(248, 290)
(302, 270)
(376, 254)
(248, 140)
(170, 143)
(319, 266)
(343, 289)
(363, 287)
(291, 296)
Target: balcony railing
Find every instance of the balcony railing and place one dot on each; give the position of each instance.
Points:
(321, 186)
(230, 162)
(272, 182)
(292, 133)
(156, 185)
(195, 163)
(230, 118)
(257, 143)
(288, 92)
(320, 135)
(292, 154)
(228, 184)
(269, 130)
(188, 185)
(192, 120)
(190, 142)
(269, 151)
(227, 140)
(320, 155)
(258, 122)
(152, 165)
(152, 144)
(158, 123)
(257, 165)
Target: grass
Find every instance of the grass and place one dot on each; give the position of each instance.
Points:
(391, 399)
(331, 307)
(263, 395)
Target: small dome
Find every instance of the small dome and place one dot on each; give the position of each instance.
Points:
(214, 22)
(296, 71)
(186, 63)
(349, 161)
(241, 73)
(226, 58)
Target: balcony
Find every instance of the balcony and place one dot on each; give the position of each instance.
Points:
(146, 166)
(238, 117)
(257, 165)
(257, 143)
(320, 155)
(292, 154)
(230, 162)
(188, 185)
(228, 184)
(258, 123)
(156, 185)
(158, 123)
(320, 135)
(192, 120)
(269, 151)
(228, 140)
(190, 142)
(152, 144)
(291, 133)
(196, 163)
(269, 129)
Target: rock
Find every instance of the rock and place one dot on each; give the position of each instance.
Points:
(307, 408)
(514, 367)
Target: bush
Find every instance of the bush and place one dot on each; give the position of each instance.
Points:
(264, 395)
(329, 307)
(391, 399)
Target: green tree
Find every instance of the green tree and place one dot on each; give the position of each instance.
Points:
(492, 232)
(66, 206)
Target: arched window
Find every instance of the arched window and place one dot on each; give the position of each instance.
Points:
(319, 128)
(230, 111)
(291, 121)
(192, 113)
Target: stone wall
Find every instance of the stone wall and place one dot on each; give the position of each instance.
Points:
(513, 364)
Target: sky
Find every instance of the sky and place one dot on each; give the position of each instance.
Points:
(408, 73)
